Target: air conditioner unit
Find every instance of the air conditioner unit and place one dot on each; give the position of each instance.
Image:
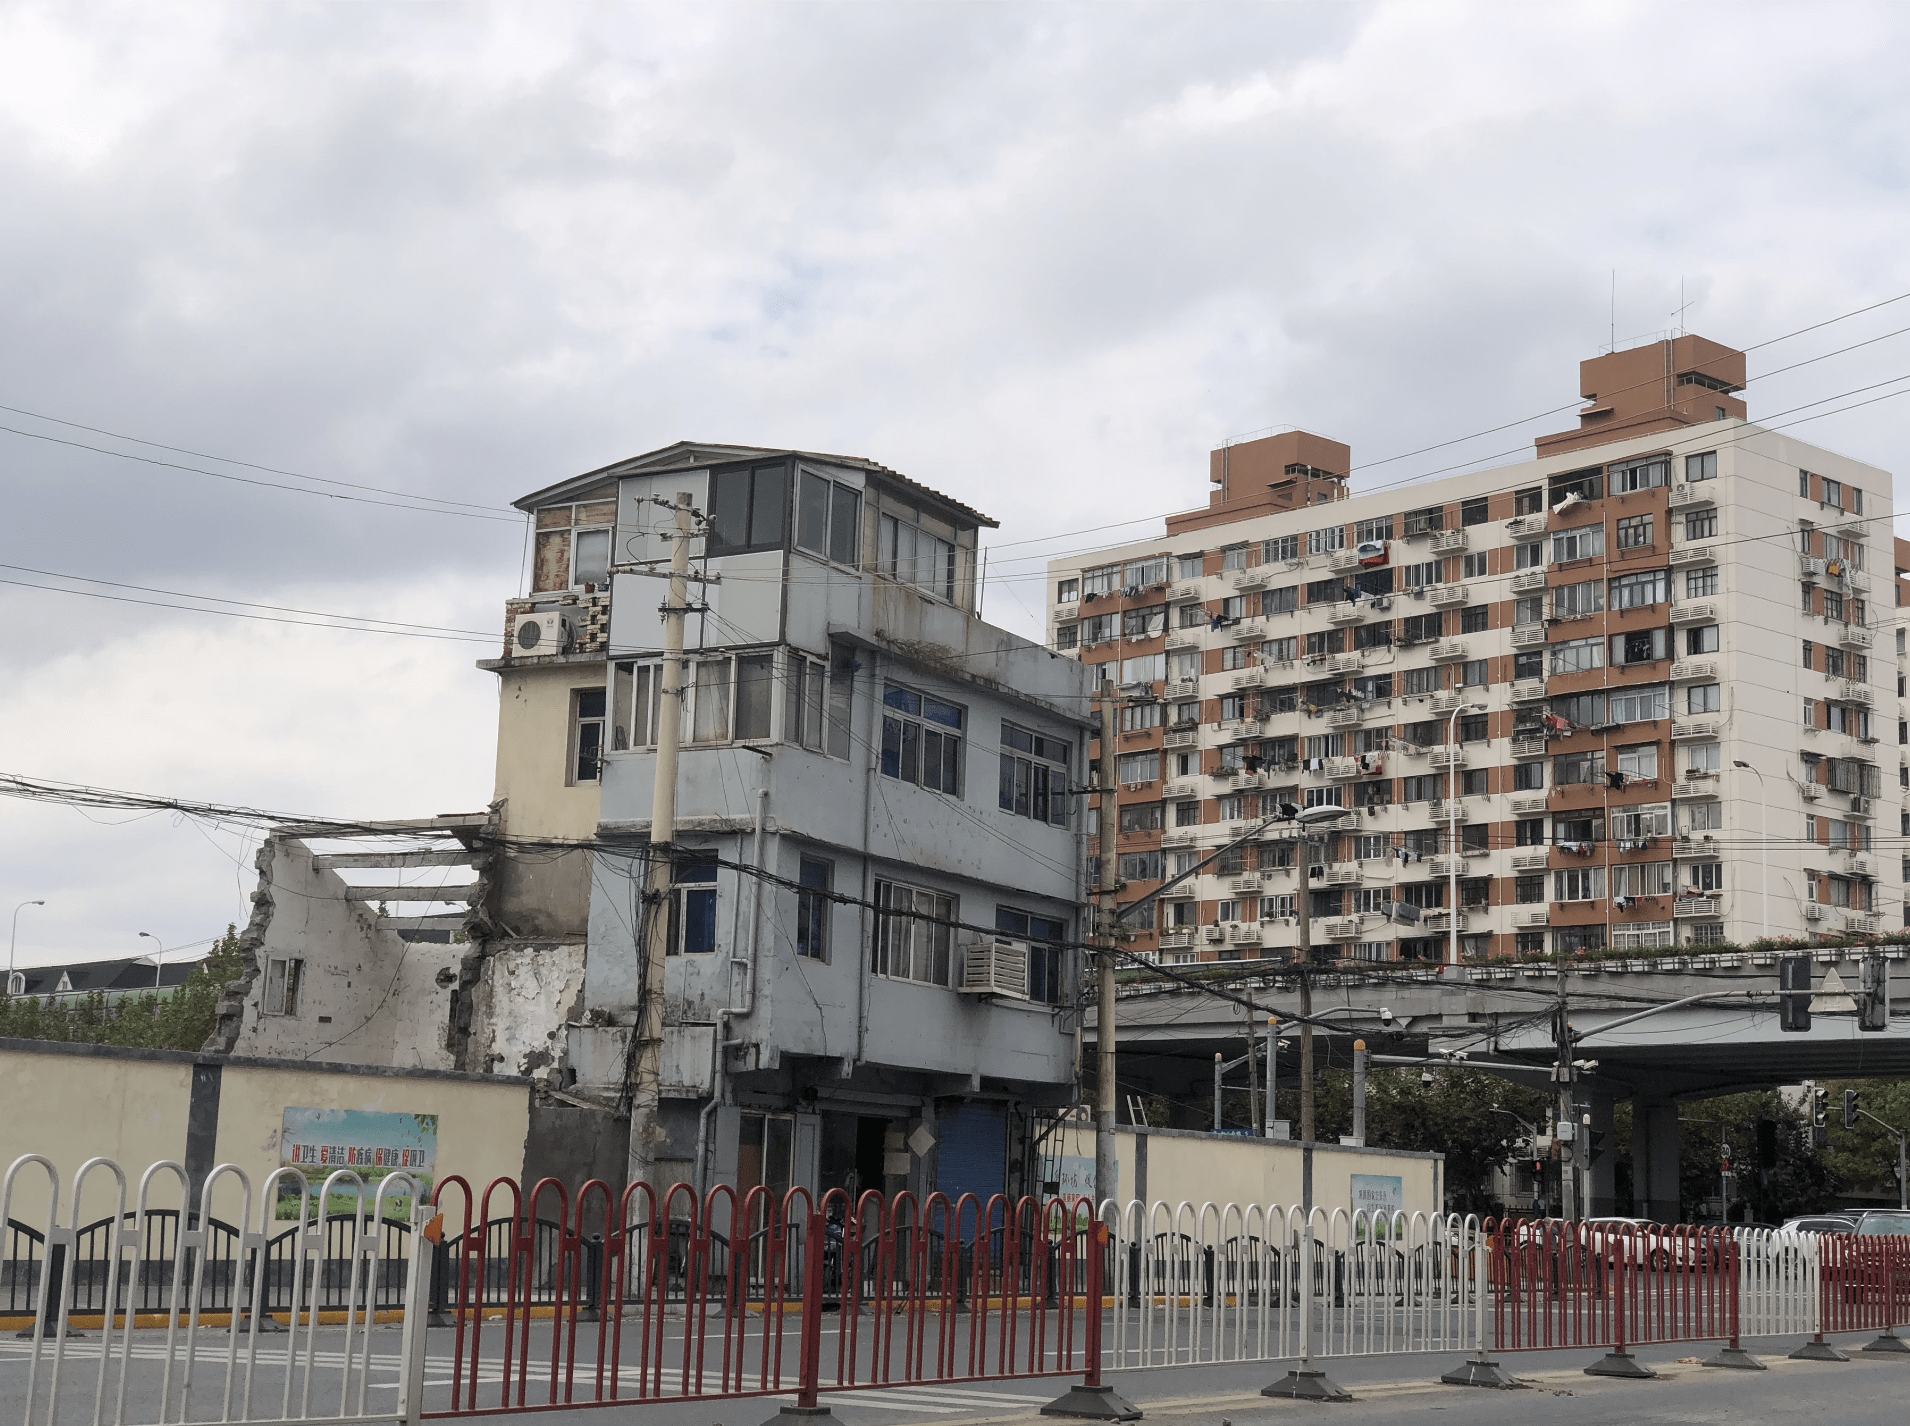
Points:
(993, 966)
(545, 632)
(1383, 601)
(1813, 911)
(1858, 804)
(1214, 933)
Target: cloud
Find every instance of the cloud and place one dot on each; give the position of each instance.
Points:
(1041, 257)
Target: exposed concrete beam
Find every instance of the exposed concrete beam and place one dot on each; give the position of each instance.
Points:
(391, 861)
(422, 923)
(464, 891)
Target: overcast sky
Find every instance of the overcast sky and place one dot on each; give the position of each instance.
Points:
(1041, 257)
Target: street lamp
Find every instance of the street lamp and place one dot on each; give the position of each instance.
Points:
(14, 937)
(1764, 841)
(1452, 828)
(159, 963)
(1306, 817)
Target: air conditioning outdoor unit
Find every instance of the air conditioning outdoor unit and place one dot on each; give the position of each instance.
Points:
(545, 632)
(993, 966)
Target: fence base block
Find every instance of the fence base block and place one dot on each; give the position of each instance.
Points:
(1888, 1345)
(1480, 1372)
(1621, 1364)
(1736, 1357)
(801, 1416)
(1092, 1403)
(1307, 1386)
(1818, 1350)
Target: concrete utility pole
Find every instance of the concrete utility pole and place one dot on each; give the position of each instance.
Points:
(1359, 1093)
(646, 1073)
(1273, 1077)
(1567, 1108)
(1106, 1164)
(1303, 906)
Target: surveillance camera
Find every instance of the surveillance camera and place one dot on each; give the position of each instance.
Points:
(1457, 1055)
(1385, 1016)
(1425, 1079)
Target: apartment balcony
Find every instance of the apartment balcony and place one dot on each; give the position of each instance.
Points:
(1682, 669)
(1685, 493)
(1184, 639)
(1344, 613)
(1533, 859)
(1526, 581)
(1451, 865)
(1250, 678)
(1693, 907)
(1447, 809)
(1446, 702)
(1532, 918)
(1183, 592)
(1242, 729)
(1451, 651)
(1448, 757)
(1855, 864)
(1442, 920)
(1180, 837)
(1186, 787)
(1258, 577)
(1855, 636)
(1854, 692)
(1695, 787)
(1811, 569)
(1450, 596)
(1243, 933)
(1183, 688)
(1173, 940)
(1347, 717)
(1249, 884)
(1524, 636)
(1528, 806)
(1344, 663)
(1342, 876)
(1693, 611)
(1185, 891)
(1525, 525)
(1341, 928)
(1857, 583)
(1448, 542)
(1340, 561)
(1342, 768)
(1862, 923)
(1529, 690)
(1689, 556)
(1687, 728)
(1187, 739)
(1532, 746)
(1701, 848)
(1247, 631)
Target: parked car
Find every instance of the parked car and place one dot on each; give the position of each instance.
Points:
(1883, 1222)
(1822, 1223)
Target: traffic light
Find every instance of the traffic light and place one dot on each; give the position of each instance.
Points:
(1820, 1107)
(1873, 1003)
(1794, 993)
(1595, 1145)
(1850, 1109)
(1767, 1143)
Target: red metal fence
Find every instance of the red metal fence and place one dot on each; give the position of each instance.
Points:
(649, 1296)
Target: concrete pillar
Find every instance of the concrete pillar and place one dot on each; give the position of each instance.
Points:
(1654, 1159)
(1600, 1200)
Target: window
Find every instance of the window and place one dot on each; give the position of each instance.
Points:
(1572, 601)
(284, 976)
(1284, 600)
(1187, 814)
(1704, 698)
(1639, 646)
(1586, 542)
(1638, 760)
(1585, 484)
(1426, 787)
(1581, 710)
(1321, 542)
(1233, 557)
(1148, 623)
(922, 740)
(747, 509)
(1099, 581)
(1473, 512)
(1423, 522)
(1141, 866)
(1641, 879)
(1148, 668)
(1833, 493)
(1473, 566)
(1190, 566)
(1528, 777)
(1701, 524)
(1413, 576)
(812, 908)
(1702, 467)
(1641, 475)
(633, 705)
(1042, 933)
(829, 524)
(1634, 532)
(914, 556)
(1528, 610)
(586, 734)
(1067, 636)
(1640, 705)
(1529, 831)
(1578, 655)
(1529, 501)
(1099, 629)
(1135, 718)
(1373, 531)
(1579, 884)
(1702, 640)
(1637, 591)
(1421, 681)
(1705, 757)
(1034, 771)
(1472, 782)
(1068, 591)
(1142, 817)
(1528, 663)
(693, 905)
(765, 1153)
(1578, 769)
(1529, 556)
(912, 934)
(1280, 650)
(1142, 573)
(1280, 547)
(1421, 628)
(573, 545)
(1701, 583)
(1472, 673)
(1138, 768)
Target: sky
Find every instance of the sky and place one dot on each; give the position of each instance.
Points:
(1042, 257)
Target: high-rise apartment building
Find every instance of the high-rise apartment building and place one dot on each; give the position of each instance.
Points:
(1640, 691)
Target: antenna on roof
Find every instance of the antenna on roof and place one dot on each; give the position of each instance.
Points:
(1614, 342)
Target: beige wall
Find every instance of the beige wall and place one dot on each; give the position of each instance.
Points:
(542, 896)
(70, 1107)
(1183, 1166)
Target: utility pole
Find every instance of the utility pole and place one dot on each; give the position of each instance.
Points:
(646, 1071)
(1106, 1164)
(1273, 1077)
(1567, 1108)
(1303, 905)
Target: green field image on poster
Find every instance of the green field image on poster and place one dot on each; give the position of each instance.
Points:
(370, 1143)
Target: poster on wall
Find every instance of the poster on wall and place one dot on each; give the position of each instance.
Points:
(370, 1143)
(1378, 1193)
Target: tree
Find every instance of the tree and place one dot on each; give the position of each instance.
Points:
(181, 1020)
(1802, 1182)
(1863, 1157)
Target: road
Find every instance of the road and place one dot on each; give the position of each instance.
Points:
(1866, 1390)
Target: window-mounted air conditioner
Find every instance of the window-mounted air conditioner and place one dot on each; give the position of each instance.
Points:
(994, 966)
(545, 632)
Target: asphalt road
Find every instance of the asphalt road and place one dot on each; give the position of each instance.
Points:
(1866, 1390)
